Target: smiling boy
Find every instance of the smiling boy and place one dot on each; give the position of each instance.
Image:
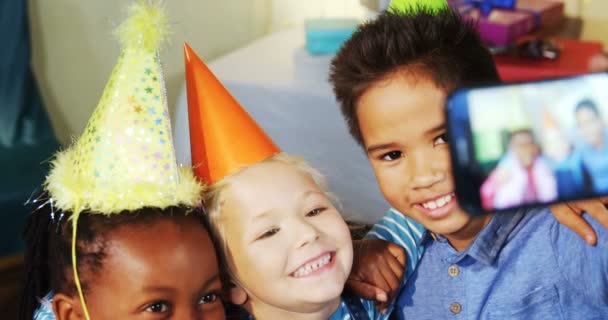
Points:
(391, 80)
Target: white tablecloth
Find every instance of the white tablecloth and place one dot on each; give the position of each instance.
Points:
(286, 91)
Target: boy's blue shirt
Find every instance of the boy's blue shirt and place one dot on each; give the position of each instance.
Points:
(522, 265)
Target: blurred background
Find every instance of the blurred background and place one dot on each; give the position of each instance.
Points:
(73, 51)
(60, 53)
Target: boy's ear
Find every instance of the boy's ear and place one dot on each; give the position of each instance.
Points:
(67, 307)
(237, 295)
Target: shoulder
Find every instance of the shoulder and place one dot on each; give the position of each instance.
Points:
(536, 221)
(563, 238)
(584, 267)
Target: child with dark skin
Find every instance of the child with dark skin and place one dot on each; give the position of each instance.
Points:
(126, 269)
(391, 80)
(117, 233)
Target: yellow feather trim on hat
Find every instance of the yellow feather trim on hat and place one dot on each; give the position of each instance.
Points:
(77, 193)
(125, 158)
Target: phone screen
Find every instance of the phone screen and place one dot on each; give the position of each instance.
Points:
(529, 144)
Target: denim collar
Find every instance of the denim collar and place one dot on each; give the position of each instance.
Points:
(487, 244)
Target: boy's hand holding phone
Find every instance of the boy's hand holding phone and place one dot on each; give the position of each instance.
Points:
(546, 138)
(377, 272)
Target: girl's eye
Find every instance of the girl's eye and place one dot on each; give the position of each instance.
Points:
(391, 156)
(209, 298)
(315, 212)
(268, 233)
(442, 139)
(158, 307)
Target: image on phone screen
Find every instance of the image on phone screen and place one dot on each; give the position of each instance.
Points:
(531, 143)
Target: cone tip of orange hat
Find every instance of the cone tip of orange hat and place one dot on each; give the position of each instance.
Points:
(191, 57)
(187, 51)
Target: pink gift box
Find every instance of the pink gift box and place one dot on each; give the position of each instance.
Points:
(501, 26)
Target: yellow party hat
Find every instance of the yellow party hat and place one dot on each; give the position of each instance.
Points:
(125, 159)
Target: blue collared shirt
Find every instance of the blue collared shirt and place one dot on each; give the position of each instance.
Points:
(522, 265)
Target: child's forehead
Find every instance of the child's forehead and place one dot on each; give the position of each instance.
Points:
(144, 236)
(413, 73)
(269, 186)
(402, 86)
(153, 254)
(401, 103)
(270, 175)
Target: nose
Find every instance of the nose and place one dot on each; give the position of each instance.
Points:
(426, 169)
(305, 232)
(187, 314)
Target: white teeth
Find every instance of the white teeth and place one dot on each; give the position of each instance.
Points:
(434, 204)
(441, 202)
(312, 266)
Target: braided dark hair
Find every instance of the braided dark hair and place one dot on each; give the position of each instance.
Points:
(48, 259)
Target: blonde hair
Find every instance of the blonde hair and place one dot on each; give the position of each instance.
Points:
(212, 201)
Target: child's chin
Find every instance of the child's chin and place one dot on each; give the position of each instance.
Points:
(449, 225)
(326, 294)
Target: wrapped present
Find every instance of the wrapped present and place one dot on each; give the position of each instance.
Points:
(499, 26)
(501, 22)
(573, 60)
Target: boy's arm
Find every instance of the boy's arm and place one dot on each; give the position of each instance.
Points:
(584, 267)
(379, 266)
(570, 215)
(394, 227)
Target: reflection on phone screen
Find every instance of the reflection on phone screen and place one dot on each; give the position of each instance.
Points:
(541, 142)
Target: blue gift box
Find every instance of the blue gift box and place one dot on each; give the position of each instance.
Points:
(326, 36)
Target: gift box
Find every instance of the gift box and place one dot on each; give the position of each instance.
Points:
(549, 13)
(500, 26)
(326, 36)
(573, 60)
(501, 22)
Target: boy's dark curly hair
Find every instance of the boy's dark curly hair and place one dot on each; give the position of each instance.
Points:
(442, 47)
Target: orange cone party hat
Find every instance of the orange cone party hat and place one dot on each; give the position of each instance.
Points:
(223, 136)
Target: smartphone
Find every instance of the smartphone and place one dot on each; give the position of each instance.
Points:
(529, 144)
